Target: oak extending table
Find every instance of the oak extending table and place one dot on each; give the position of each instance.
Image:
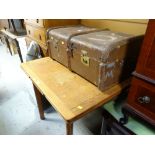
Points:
(71, 95)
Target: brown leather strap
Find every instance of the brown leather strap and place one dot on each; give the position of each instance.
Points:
(101, 71)
(69, 48)
(84, 32)
(53, 28)
(57, 27)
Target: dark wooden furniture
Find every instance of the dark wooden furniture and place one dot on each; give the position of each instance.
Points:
(110, 126)
(112, 112)
(141, 98)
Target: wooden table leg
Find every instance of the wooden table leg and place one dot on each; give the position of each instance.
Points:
(69, 128)
(39, 102)
(8, 45)
(18, 50)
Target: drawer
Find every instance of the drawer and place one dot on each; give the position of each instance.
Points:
(36, 22)
(47, 23)
(43, 47)
(142, 97)
(38, 34)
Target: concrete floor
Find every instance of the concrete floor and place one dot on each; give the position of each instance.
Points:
(18, 108)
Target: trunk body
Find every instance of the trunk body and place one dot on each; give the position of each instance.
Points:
(104, 58)
(58, 41)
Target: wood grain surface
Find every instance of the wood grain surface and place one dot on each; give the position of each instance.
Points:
(71, 95)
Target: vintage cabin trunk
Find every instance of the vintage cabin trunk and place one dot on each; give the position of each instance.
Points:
(58, 40)
(104, 58)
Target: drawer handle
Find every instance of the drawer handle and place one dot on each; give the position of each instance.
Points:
(40, 37)
(144, 99)
(37, 20)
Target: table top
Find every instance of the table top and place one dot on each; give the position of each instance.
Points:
(71, 95)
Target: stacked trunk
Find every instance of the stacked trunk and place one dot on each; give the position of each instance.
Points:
(103, 57)
(58, 41)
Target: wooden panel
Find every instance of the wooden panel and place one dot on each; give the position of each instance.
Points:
(146, 61)
(4, 24)
(138, 91)
(130, 26)
(138, 21)
(13, 46)
(37, 22)
(60, 22)
(71, 95)
(39, 34)
(46, 23)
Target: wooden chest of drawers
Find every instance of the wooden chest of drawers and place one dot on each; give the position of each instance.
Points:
(37, 22)
(37, 28)
(141, 98)
(39, 34)
(46, 23)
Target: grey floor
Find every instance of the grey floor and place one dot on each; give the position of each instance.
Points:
(18, 108)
